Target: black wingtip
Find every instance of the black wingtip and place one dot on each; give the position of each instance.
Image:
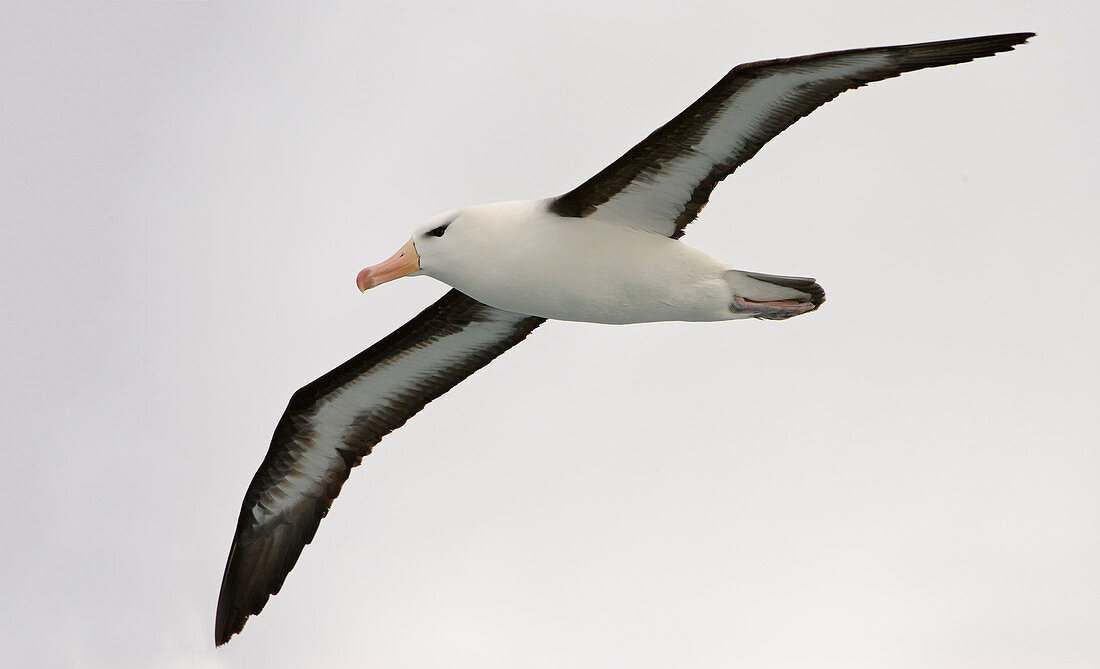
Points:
(228, 620)
(253, 573)
(228, 623)
(1009, 40)
(222, 631)
(950, 52)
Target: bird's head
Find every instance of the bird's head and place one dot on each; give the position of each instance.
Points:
(459, 246)
(433, 244)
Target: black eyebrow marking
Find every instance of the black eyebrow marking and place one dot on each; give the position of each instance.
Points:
(438, 230)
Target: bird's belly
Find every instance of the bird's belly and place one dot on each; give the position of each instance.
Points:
(615, 304)
(639, 279)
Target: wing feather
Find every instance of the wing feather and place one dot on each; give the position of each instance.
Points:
(332, 423)
(663, 182)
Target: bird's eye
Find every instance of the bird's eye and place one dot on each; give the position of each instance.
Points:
(438, 232)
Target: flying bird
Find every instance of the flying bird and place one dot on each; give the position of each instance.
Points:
(605, 252)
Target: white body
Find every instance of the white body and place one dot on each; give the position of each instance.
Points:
(524, 259)
(519, 257)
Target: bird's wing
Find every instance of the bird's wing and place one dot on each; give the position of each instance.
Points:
(333, 422)
(662, 183)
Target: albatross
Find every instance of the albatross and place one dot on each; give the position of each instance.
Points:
(607, 251)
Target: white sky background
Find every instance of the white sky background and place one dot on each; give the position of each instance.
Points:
(906, 478)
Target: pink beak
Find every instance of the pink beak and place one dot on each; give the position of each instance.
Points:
(406, 261)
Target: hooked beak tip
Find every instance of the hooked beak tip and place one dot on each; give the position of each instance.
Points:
(363, 281)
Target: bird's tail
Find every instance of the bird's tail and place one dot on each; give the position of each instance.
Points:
(754, 295)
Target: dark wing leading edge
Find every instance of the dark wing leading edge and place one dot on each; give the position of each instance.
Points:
(333, 422)
(662, 183)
